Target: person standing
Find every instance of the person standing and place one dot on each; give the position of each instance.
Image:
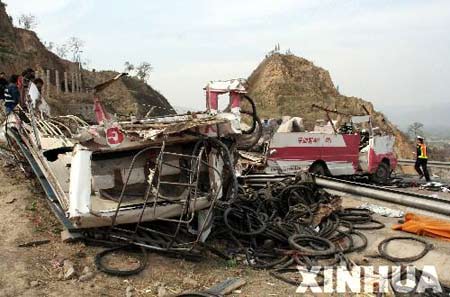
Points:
(28, 75)
(3, 85)
(422, 159)
(12, 94)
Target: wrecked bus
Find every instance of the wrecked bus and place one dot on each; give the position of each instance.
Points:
(116, 172)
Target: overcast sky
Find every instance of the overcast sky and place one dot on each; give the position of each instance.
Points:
(393, 53)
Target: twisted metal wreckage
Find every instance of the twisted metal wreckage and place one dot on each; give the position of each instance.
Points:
(170, 170)
(166, 184)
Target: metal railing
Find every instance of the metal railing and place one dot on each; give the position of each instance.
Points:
(430, 163)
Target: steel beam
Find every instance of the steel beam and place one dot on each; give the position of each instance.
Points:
(423, 202)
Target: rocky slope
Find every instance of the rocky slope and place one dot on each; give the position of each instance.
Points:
(20, 49)
(289, 85)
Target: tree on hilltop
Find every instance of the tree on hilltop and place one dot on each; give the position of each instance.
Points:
(143, 71)
(128, 67)
(27, 21)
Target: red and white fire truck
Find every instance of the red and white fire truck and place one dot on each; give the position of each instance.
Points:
(355, 151)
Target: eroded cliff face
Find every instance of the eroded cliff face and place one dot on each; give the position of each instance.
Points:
(290, 85)
(21, 49)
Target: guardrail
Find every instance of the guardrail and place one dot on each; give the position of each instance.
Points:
(430, 163)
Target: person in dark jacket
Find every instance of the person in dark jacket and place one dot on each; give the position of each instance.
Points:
(422, 159)
(3, 85)
(12, 94)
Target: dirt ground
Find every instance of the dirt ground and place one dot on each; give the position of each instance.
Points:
(35, 271)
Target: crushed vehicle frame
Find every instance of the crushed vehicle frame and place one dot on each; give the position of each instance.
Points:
(115, 172)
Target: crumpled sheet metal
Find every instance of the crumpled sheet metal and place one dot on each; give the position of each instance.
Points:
(152, 130)
(252, 157)
(383, 211)
(149, 134)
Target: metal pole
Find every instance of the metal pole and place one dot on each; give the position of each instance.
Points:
(430, 163)
(80, 82)
(47, 83)
(418, 201)
(58, 83)
(76, 82)
(66, 83)
(73, 82)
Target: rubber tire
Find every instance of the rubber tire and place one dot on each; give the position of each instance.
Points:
(111, 271)
(319, 169)
(382, 174)
(331, 250)
(383, 245)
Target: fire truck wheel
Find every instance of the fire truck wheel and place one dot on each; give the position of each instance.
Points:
(381, 176)
(319, 169)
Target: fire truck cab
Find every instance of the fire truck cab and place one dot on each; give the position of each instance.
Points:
(326, 151)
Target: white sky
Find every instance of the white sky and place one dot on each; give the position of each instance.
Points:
(393, 53)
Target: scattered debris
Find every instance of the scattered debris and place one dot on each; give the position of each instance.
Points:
(34, 243)
(162, 292)
(11, 201)
(435, 186)
(401, 182)
(129, 291)
(68, 270)
(86, 275)
(190, 282)
(57, 262)
(360, 261)
(34, 284)
(383, 211)
(230, 285)
(283, 213)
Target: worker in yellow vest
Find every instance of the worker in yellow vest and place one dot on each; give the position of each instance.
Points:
(422, 159)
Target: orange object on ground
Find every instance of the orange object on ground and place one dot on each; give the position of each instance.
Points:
(423, 225)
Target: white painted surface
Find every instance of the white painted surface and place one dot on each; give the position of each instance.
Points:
(80, 183)
(341, 168)
(236, 85)
(382, 144)
(293, 166)
(364, 158)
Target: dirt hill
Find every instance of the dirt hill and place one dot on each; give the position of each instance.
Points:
(20, 49)
(289, 85)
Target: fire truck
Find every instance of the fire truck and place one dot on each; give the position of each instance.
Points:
(334, 153)
(356, 148)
